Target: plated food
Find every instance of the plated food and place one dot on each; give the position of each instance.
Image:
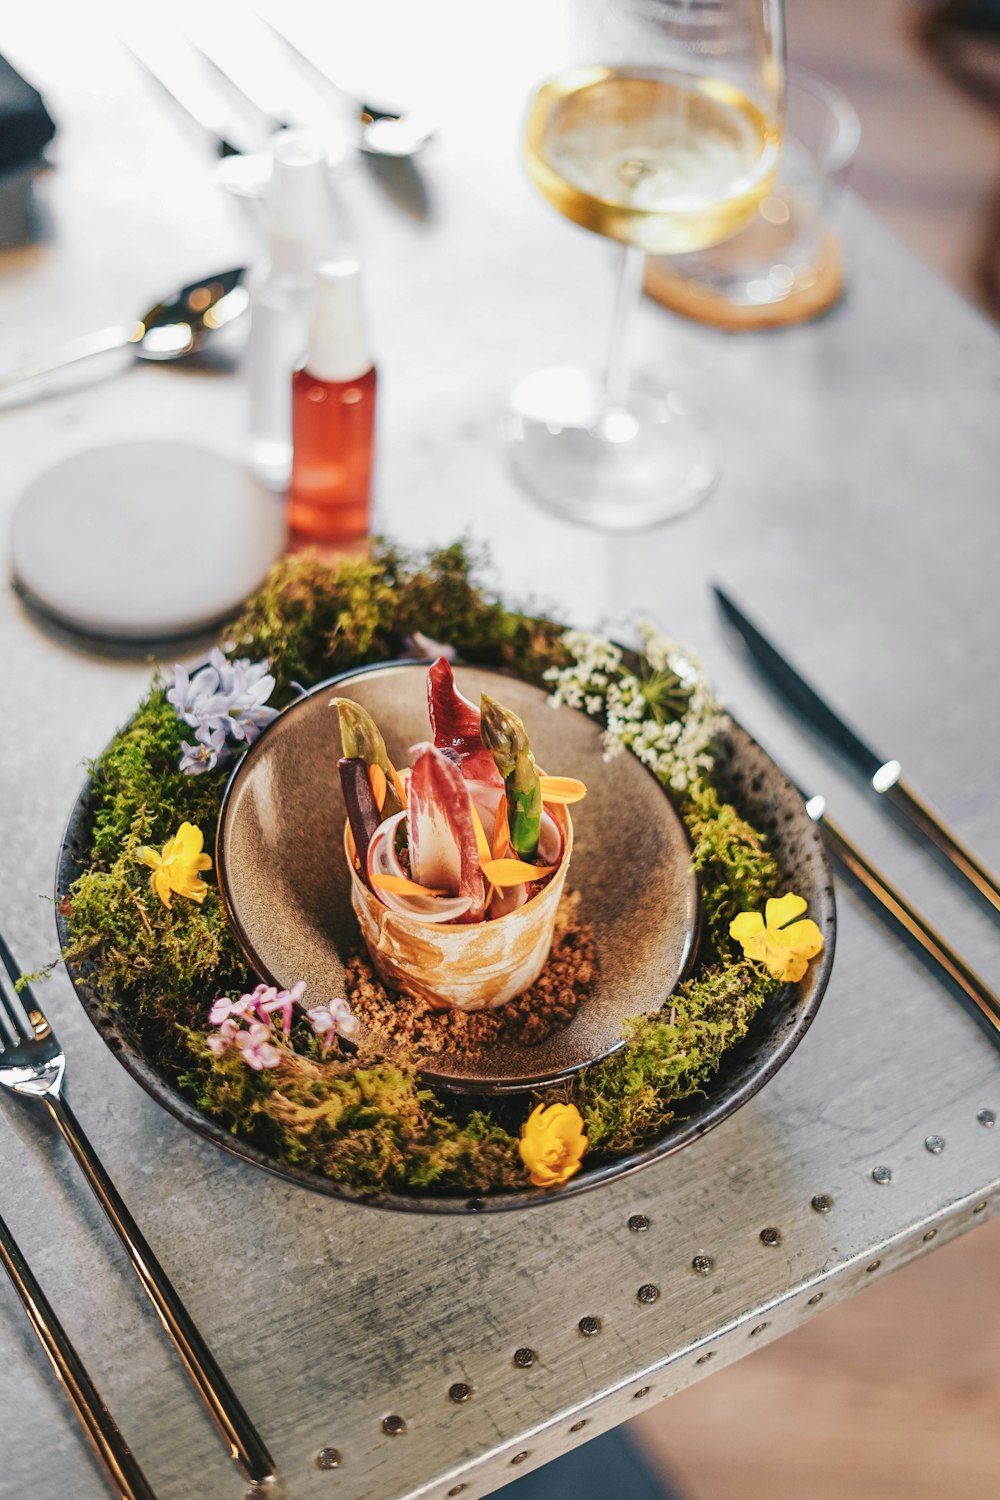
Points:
(693, 935)
(449, 912)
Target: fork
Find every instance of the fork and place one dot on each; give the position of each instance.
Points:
(33, 1066)
(128, 1479)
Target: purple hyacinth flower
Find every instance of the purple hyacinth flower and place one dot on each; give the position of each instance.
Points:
(208, 751)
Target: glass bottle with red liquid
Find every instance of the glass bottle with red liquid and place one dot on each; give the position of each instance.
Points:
(333, 416)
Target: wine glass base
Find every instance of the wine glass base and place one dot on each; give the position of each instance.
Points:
(617, 468)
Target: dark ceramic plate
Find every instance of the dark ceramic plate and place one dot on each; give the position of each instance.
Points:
(287, 888)
(746, 774)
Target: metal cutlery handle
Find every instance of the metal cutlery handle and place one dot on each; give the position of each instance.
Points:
(70, 354)
(128, 1479)
(909, 802)
(918, 927)
(244, 1441)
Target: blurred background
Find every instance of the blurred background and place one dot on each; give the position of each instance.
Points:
(894, 1393)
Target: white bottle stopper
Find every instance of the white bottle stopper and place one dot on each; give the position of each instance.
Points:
(338, 347)
(300, 202)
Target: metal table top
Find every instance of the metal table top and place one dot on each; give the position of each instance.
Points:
(857, 516)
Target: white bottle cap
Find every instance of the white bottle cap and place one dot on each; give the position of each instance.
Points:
(300, 201)
(338, 349)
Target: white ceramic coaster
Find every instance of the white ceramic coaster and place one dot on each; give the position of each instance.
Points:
(144, 541)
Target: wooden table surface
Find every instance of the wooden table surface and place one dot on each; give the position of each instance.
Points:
(857, 516)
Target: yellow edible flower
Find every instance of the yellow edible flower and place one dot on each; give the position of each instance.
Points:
(784, 950)
(552, 1144)
(175, 867)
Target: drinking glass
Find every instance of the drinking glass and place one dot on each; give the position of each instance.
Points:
(788, 244)
(664, 135)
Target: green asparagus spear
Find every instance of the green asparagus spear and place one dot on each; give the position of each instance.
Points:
(362, 740)
(505, 737)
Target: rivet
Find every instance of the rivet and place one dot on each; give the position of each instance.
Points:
(822, 1203)
(759, 1329)
(638, 1223)
(816, 1297)
(457, 1489)
(589, 1326)
(930, 1235)
(881, 1175)
(642, 1391)
(770, 1237)
(459, 1392)
(874, 1266)
(328, 1458)
(703, 1359)
(934, 1144)
(987, 1117)
(648, 1292)
(524, 1358)
(476, 1205)
(703, 1264)
(393, 1425)
(579, 1426)
(520, 1457)
(979, 1207)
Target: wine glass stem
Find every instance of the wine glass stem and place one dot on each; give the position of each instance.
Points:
(617, 377)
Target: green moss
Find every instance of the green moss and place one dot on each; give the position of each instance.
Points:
(367, 1124)
(627, 1100)
(736, 870)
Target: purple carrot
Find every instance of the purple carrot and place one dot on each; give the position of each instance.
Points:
(362, 811)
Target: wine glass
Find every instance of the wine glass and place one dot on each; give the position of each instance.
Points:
(664, 136)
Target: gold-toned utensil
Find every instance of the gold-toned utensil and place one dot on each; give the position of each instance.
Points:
(33, 1066)
(899, 910)
(124, 1472)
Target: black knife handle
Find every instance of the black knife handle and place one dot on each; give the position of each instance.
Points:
(907, 801)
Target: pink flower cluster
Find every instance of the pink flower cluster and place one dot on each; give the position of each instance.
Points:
(249, 1023)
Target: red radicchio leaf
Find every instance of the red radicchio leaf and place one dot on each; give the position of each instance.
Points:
(455, 725)
(444, 854)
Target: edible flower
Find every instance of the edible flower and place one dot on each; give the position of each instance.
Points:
(332, 1020)
(223, 1009)
(175, 867)
(779, 942)
(552, 1144)
(266, 999)
(224, 1038)
(227, 695)
(208, 751)
(259, 1052)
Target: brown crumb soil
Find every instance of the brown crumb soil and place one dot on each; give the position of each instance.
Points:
(395, 1020)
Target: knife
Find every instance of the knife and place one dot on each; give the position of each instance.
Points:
(884, 776)
(190, 100)
(917, 927)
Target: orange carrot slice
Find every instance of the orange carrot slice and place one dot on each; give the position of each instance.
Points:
(400, 886)
(501, 830)
(380, 786)
(562, 789)
(352, 847)
(504, 872)
(485, 852)
(400, 786)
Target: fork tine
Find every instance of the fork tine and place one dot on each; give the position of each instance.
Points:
(13, 1012)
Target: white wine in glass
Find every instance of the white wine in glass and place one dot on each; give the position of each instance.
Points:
(667, 156)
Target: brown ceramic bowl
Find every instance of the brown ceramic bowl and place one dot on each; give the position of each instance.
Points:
(287, 886)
